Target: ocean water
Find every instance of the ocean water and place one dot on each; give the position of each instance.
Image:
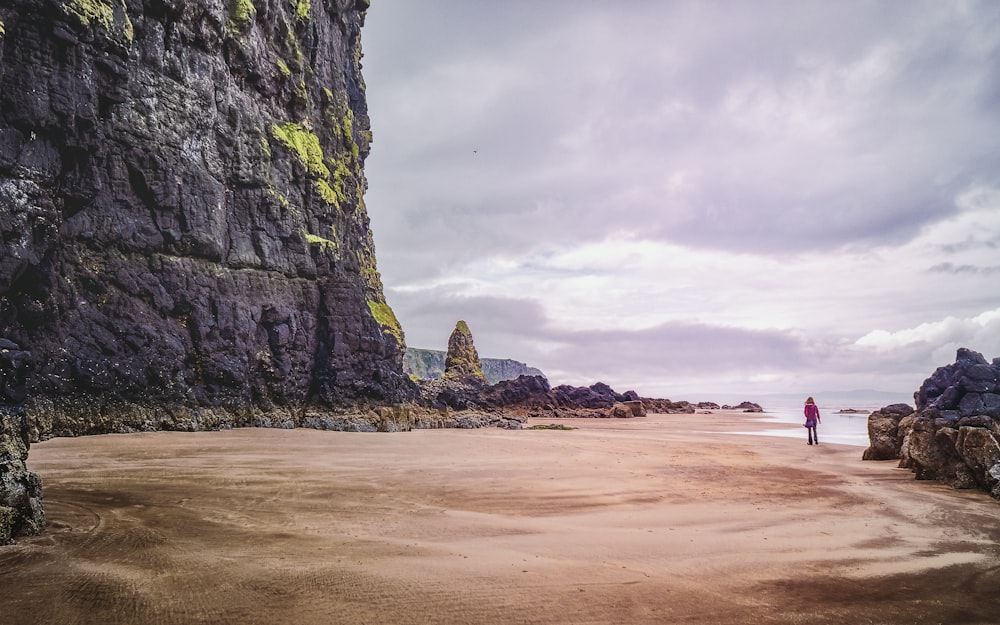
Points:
(844, 429)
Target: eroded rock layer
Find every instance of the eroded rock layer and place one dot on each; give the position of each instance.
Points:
(183, 239)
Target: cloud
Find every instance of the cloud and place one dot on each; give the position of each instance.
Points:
(590, 185)
(957, 269)
(982, 330)
(786, 135)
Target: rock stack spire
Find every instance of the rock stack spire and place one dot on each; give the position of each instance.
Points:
(462, 361)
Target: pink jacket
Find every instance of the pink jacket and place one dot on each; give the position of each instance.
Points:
(812, 414)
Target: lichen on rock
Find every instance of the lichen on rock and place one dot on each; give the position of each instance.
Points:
(102, 13)
(243, 12)
(386, 319)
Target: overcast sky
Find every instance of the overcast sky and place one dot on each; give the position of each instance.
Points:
(695, 200)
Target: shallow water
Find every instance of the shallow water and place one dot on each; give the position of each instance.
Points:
(843, 429)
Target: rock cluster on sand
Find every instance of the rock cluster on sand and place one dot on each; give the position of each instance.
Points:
(531, 396)
(953, 434)
(20, 490)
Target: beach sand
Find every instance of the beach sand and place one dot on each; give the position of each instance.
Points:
(663, 519)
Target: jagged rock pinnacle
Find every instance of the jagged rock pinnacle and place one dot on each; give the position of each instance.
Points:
(462, 361)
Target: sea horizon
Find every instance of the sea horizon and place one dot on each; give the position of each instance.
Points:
(836, 426)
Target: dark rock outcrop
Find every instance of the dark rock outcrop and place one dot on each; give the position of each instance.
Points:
(531, 396)
(627, 410)
(462, 360)
(183, 240)
(745, 406)
(428, 364)
(20, 490)
(953, 434)
(883, 432)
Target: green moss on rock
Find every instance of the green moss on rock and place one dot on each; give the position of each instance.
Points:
(265, 145)
(302, 9)
(243, 12)
(347, 130)
(313, 239)
(100, 12)
(387, 320)
(90, 11)
(329, 194)
(304, 144)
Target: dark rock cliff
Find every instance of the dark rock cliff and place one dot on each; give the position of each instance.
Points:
(953, 436)
(20, 490)
(183, 237)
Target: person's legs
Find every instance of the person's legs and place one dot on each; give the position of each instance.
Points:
(810, 430)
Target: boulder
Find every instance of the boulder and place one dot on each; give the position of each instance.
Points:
(745, 406)
(627, 410)
(953, 436)
(883, 432)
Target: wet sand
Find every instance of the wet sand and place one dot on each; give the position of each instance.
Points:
(664, 519)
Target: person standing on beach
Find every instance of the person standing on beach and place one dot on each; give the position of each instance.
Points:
(812, 418)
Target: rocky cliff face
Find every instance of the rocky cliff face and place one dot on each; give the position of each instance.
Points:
(954, 434)
(20, 490)
(429, 365)
(183, 239)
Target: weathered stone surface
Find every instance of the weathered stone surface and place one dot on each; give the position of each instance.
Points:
(883, 432)
(953, 434)
(745, 406)
(627, 410)
(183, 240)
(462, 360)
(21, 510)
(941, 390)
(980, 451)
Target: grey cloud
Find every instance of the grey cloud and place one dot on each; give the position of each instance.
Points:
(429, 317)
(676, 348)
(909, 143)
(969, 244)
(514, 128)
(966, 269)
